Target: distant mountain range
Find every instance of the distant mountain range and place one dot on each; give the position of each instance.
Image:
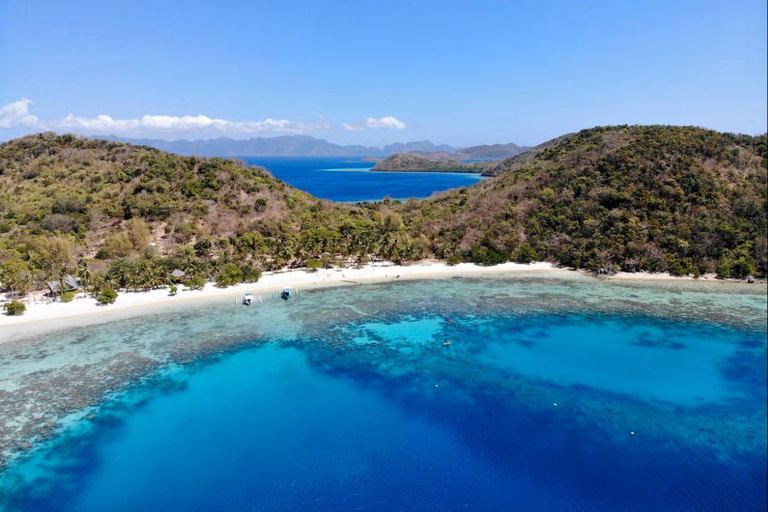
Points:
(305, 145)
(288, 145)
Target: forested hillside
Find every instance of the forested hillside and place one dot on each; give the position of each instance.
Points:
(70, 204)
(409, 162)
(652, 198)
(492, 151)
(645, 198)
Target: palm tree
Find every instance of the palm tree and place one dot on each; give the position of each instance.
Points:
(84, 273)
(157, 275)
(135, 277)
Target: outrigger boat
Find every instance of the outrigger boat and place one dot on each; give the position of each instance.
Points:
(286, 294)
(248, 299)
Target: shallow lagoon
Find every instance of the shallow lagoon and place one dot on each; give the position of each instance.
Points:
(347, 398)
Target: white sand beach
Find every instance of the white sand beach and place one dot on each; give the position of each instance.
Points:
(42, 315)
(85, 310)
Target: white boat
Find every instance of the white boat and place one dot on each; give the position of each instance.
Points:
(248, 299)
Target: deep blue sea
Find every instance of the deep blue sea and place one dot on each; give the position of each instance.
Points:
(525, 393)
(350, 180)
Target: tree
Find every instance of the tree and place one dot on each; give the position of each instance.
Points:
(84, 273)
(51, 255)
(106, 296)
(488, 256)
(59, 222)
(229, 275)
(196, 283)
(138, 232)
(203, 247)
(15, 307)
(69, 204)
(118, 245)
(455, 259)
(251, 274)
(738, 268)
(16, 275)
(526, 254)
(147, 274)
(737, 263)
(393, 222)
(314, 264)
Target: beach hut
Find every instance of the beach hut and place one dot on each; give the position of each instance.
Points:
(65, 284)
(178, 275)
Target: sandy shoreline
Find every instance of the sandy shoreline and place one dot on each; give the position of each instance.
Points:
(42, 316)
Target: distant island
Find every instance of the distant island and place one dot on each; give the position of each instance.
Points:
(443, 161)
(430, 162)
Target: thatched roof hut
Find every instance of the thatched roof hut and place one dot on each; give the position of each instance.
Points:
(178, 274)
(66, 284)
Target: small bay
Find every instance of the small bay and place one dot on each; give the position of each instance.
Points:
(351, 180)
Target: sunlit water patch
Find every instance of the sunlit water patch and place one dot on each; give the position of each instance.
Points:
(651, 360)
(408, 333)
(528, 393)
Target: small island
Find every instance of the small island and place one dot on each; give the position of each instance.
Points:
(410, 162)
(485, 160)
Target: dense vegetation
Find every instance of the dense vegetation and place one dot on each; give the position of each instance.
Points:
(124, 216)
(652, 198)
(460, 161)
(491, 151)
(425, 163)
(640, 198)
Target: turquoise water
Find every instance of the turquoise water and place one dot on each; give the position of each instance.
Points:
(349, 399)
(350, 180)
(659, 361)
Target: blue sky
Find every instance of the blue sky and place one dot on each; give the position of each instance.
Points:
(461, 73)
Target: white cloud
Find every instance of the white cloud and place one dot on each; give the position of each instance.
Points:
(16, 114)
(385, 122)
(389, 122)
(181, 125)
(16, 117)
(353, 127)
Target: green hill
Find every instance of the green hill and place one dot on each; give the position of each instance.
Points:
(654, 198)
(67, 203)
(492, 151)
(409, 162)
